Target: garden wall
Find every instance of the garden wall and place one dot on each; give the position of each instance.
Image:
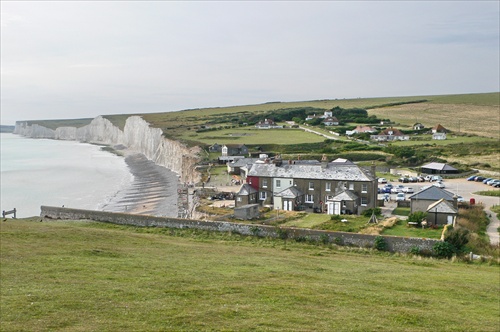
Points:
(394, 243)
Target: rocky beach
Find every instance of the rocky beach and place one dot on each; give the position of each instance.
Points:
(153, 190)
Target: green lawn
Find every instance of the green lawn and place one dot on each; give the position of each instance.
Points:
(77, 276)
(309, 220)
(450, 139)
(401, 229)
(401, 211)
(250, 135)
(494, 193)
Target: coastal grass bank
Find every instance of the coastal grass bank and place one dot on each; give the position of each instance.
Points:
(94, 276)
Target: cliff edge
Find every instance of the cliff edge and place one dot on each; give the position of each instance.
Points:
(137, 136)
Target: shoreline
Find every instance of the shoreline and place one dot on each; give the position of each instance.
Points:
(153, 190)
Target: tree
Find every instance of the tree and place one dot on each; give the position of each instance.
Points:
(417, 217)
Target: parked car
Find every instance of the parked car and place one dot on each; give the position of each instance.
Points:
(408, 190)
(386, 190)
(460, 199)
(421, 179)
(397, 189)
(436, 178)
(494, 182)
(471, 178)
(428, 178)
(486, 180)
(496, 185)
(439, 184)
(404, 179)
(479, 178)
(389, 185)
(382, 180)
(491, 182)
(400, 197)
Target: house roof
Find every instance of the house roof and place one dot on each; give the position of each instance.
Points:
(331, 119)
(332, 171)
(345, 195)
(439, 167)
(395, 132)
(364, 129)
(441, 206)
(291, 192)
(439, 128)
(246, 190)
(432, 193)
(243, 162)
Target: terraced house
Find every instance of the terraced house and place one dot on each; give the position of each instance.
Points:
(338, 187)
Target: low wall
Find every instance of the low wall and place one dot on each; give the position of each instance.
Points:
(394, 243)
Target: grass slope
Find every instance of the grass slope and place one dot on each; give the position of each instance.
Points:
(78, 276)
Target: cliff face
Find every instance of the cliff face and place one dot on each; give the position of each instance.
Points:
(136, 135)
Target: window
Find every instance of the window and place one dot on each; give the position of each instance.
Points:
(278, 183)
(264, 183)
(328, 186)
(309, 198)
(364, 188)
(239, 199)
(364, 201)
(344, 185)
(351, 186)
(311, 185)
(262, 195)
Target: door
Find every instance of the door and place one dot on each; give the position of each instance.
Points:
(449, 220)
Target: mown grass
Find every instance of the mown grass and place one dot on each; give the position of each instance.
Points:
(96, 277)
(493, 193)
(401, 228)
(253, 136)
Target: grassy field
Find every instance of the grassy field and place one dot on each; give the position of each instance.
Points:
(252, 136)
(401, 229)
(77, 276)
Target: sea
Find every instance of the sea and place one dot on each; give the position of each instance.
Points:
(37, 172)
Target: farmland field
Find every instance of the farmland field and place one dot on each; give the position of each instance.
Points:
(85, 276)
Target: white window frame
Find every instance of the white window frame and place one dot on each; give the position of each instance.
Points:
(311, 185)
(264, 183)
(351, 186)
(328, 186)
(309, 198)
(364, 188)
(262, 195)
(364, 201)
(278, 183)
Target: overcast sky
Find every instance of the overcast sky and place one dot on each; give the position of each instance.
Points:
(79, 59)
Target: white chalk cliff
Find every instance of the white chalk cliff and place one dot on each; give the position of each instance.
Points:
(137, 135)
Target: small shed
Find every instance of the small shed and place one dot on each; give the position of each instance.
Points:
(441, 212)
(247, 212)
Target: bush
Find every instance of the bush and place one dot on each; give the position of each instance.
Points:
(458, 237)
(443, 249)
(415, 250)
(336, 217)
(380, 243)
(417, 217)
(369, 212)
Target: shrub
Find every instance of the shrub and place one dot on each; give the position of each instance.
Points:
(368, 212)
(380, 243)
(458, 237)
(336, 217)
(324, 238)
(417, 217)
(443, 249)
(415, 250)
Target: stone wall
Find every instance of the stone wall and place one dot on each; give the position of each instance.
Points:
(394, 243)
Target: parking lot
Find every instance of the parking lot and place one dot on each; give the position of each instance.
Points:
(461, 187)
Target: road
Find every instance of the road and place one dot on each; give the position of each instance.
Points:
(318, 133)
(466, 189)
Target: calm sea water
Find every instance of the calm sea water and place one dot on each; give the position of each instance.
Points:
(37, 172)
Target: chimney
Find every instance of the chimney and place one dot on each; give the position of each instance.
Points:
(374, 170)
(324, 161)
(455, 201)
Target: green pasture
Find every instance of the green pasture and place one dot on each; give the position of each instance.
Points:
(79, 276)
(450, 139)
(247, 135)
